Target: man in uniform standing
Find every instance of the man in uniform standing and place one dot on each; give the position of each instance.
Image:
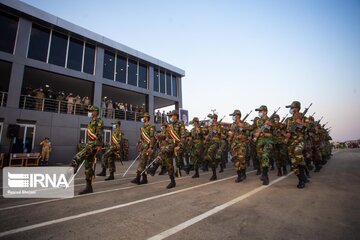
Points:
(196, 146)
(263, 140)
(45, 151)
(238, 136)
(146, 146)
(113, 152)
(93, 146)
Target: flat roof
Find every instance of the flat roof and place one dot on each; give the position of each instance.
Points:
(59, 22)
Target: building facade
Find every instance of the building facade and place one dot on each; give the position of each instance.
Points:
(51, 70)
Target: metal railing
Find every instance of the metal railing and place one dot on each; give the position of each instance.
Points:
(3, 99)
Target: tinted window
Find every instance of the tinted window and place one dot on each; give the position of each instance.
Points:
(162, 82)
(143, 75)
(89, 58)
(121, 69)
(39, 43)
(174, 86)
(58, 49)
(5, 72)
(109, 65)
(168, 84)
(156, 80)
(8, 29)
(75, 54)
(132, 72)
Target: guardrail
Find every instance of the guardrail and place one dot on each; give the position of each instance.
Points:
(3, 99)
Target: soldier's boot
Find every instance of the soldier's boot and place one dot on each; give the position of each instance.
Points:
(188, 168)
(152, 170)
(317, 167)
(284, 170)
(88, 188)
(144, 179)
(301, 183)
(196, 175)
(243, 174)
(172, 183)
(163, 170)
(258, 172)
(265, 176)
(306, 174)
(136, 180)
(272, 167)
(239, 177)
(102, 173)
(279, 172)
(213, 177)
(110, 177)
(221, 168)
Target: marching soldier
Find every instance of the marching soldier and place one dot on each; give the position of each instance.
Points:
(196, 146)
(113, 152)
(146, 146)
(263, 139)
(280, 148)
(238, 136)
(295, 127)
(93, 146)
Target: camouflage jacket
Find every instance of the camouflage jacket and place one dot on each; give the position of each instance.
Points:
(147, 136)
(176, 133)
(94, 132)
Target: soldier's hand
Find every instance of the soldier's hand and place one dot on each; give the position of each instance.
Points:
(267, 122)
(149, 151)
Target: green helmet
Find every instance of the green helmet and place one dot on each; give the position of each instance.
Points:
(236, 112)
(294, 104)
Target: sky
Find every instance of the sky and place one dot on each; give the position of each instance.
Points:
(242, 54)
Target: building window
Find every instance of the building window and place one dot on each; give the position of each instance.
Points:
(156, 80)
(75, 54)
(174, 86)
(132, 72)
(39, 43)
(8, 30)
(107, 136)
(58, 48)
(109, 65)
(89, 58)
(162, 81)
(168, 84)
(120, 69)
(27, 134)
(143, 73)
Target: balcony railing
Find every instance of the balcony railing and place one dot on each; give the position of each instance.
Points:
(3, 99)
(52, 105)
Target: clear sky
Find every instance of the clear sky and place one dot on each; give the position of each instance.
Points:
(242, 54)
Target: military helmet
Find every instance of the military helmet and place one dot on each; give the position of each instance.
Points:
(173, 112)
(311, 118)
(195, 119)
(214, 116)
(276, 116)
(236, 112)
(93, 108)
(261, 108)
(294, 104)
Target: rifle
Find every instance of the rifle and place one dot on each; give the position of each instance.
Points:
(265, 126)
(77, 171)
(325, 124)
(296, 125)
(284, 118)
(131, 165)
(212, 132)
(246, 116)
(318, 121)
(146, 168)
(313, 114)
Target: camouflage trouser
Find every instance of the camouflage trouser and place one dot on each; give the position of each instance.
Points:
(195, 155)
(280, 154)
(87, 155)
(316, 154)
(221, 152)
(210, 154)
(238, 152)
(295, 150)
(143, 161)
(263, 151)
(108, 159)
(168, 156)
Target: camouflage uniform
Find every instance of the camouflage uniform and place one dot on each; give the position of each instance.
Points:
(238, 137)
(223, 150)
(87, 154)
(196, 146)
(279, 147)
(263, 139)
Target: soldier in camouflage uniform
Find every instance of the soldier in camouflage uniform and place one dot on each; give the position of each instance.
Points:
(146, 146)
(112, 152)
(159, 149)
(175, 138)
(125, 149)
(280, 147)
(295, 130)
(93, 146)
(223, 149)
(213, 141)
(196, 146)
(314, 135)
(238, 137)
(263, 139)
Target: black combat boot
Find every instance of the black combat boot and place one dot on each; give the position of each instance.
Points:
(306, 174)
(188, 169)
(279, 172)
(302, 177)
(221, 168)
(301, 183)
(172, 183)
(258, 172)
(213, 177)
(102, 173)
(284, 170)
(144, 179)
(196, 175)
(88, 188)
(163, 170)
(239, 176)
(265, 176)
(136, 180)
(243, 174)
(110, 177)
(317, 167)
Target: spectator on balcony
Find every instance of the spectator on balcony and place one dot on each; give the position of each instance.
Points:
(158, 117)
(39, 95)
(61, 98)
(109, 109)
(103, 107)
(86, 102)
(77, 108)
(70, 103)
(164, 117)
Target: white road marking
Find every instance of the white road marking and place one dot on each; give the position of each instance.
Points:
(211, 212)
